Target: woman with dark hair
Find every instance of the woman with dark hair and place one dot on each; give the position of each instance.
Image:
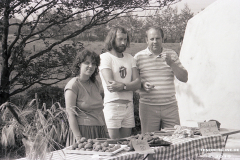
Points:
(84, 103)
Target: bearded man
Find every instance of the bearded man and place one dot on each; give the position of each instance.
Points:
(120, 78)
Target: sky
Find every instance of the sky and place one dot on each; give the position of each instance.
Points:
(195, 5)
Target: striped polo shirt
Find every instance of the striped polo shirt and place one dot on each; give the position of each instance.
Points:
(154, 69)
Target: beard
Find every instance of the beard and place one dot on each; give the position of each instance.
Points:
(119, 49)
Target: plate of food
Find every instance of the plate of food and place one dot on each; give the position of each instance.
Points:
(85, 146)
(151, 139)
(163, 133)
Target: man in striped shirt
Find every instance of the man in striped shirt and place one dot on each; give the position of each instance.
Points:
(157, 68)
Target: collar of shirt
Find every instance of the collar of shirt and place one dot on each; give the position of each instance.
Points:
(150, 53)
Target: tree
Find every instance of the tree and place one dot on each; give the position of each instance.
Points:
(1, 29)
(40, 22)
(101, 32)
(184, 16)
(169, 22)
(172, 23)
(133, 24)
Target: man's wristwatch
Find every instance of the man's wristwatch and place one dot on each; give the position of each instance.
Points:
(124, 87)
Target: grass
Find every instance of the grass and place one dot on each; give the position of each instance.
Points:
(133, 49)
(40, 130)
(98, 47)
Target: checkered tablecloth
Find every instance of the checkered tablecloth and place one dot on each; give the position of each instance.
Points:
(181, 149)
(188, 148)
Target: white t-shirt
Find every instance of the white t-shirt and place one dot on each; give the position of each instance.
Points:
(122, 72)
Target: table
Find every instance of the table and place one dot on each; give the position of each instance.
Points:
(187, 148)
(184, 149)
(206, 149)
(226, 132)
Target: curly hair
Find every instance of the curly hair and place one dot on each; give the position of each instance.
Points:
(110, 39)
(80, 58)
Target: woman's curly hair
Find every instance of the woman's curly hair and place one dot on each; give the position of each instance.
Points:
(80, 58)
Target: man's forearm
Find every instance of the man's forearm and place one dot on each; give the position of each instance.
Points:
(134, 85)
(180, 73)
(131, 86)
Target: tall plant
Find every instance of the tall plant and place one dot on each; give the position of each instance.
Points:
(40, 130)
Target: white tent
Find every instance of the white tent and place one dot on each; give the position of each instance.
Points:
(211, 54)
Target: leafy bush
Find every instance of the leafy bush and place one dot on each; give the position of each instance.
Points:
(48, 123)
(47, 95)
(33, 129)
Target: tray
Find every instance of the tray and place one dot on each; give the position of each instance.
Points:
(163, 143)
(69, 150)
(163, 133)
(110, 141)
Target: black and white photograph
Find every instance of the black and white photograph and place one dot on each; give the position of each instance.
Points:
(119, 79)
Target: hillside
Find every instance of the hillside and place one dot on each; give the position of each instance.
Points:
(133, 49)
(98, 46)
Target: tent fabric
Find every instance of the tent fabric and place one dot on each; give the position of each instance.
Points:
(211, 54)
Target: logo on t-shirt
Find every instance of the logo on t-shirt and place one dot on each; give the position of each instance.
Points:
(123, 71)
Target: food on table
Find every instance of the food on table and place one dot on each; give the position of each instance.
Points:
(83, 139)
(149, 137)
(90, 141)
(105, 144)
(88, 149)
(88, 145)
(97, 147)
(182, 132)
(74, 146)
(111, 145)
(97, 143)
(80, 145)
(218, 123)
(104, 149)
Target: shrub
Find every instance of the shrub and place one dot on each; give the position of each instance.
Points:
(45, 94)
(38, 130)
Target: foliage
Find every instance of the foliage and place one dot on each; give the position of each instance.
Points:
(41, 130)
(22, 100)
(47, 95)
(172, 22)
(43, 20)
(185, 15)
(137, 128)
